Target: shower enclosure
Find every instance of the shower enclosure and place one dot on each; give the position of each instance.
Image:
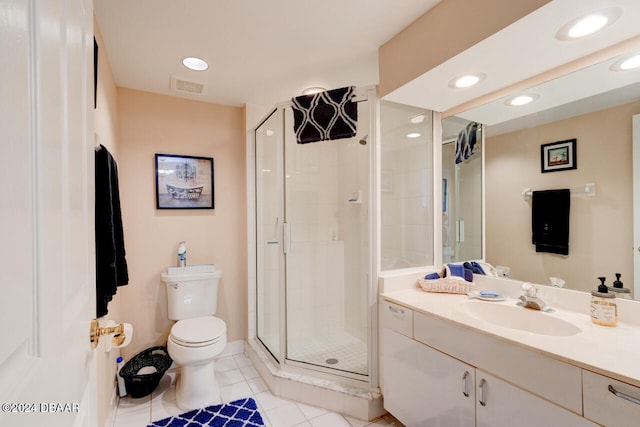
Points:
(315, 270)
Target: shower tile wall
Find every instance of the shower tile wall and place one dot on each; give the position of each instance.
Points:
(407, 226)
(315, 263)
(406, 187)
(317, 298)
(328, 263)
(354, 221)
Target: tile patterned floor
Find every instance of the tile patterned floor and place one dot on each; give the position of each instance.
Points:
(237, 379)
(338, 351)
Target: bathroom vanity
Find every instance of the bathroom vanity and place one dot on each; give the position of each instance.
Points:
(448, 360)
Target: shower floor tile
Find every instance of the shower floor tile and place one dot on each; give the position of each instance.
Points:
(338, 351)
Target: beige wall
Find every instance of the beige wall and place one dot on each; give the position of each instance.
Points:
(447, 29)
(150, 124)
(600, 240)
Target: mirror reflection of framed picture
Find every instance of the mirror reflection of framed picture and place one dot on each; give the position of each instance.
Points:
(557, 156)
(184, 182)
(444, 195)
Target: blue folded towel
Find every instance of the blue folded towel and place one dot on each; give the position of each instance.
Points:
(460, 271)
(475, 267)
(432, 276)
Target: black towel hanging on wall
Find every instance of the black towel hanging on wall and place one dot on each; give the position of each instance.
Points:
(111, 265)
(550, 220)
(325, 115)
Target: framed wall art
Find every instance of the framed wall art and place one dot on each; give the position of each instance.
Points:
(184, 182)
(558, 156)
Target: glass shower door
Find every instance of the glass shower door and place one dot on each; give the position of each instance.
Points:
(327, 197)
(269, 261)
(462, 197)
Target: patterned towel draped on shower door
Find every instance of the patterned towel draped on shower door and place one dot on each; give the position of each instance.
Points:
(325, 115)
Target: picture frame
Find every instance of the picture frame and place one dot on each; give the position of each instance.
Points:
(95, 73)
(558, 156)
(184, 182)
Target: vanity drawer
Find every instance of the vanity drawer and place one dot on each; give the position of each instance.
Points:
(396, 318)
(604, 407)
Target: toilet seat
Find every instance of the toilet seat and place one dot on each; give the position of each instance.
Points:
(199, 331)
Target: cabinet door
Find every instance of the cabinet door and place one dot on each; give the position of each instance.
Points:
(500, 404)
(610, 402)
(424, 387)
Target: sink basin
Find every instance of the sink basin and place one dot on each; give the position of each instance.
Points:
(519, 318)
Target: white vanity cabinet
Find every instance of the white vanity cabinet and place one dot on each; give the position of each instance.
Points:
(423, 387)
(609, 402)
(500, 404)
(424, 384)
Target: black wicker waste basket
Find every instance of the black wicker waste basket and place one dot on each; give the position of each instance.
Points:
(142, 384)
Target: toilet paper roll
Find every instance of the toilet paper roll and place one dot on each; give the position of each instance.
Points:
(113, 341)
(128, 336)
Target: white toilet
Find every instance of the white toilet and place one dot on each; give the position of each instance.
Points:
(197, 337)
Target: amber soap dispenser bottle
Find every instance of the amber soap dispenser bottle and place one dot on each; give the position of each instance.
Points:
(604, 310)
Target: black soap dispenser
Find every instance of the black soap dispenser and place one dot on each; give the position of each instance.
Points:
(619, 290)
(604, 310)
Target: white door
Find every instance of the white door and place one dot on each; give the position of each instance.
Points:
(636, 206)
(47, 278)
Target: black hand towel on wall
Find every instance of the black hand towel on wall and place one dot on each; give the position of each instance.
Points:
(111, 265)
(550, 220)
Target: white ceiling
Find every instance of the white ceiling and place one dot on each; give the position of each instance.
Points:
(260, 51)
(520, 51)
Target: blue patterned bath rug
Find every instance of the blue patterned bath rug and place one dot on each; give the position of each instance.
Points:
(239, 413)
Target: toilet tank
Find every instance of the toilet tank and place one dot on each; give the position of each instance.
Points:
(192, 291)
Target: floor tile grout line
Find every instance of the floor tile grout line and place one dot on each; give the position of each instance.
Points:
(253, 395)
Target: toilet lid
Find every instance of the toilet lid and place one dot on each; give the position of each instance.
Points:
(199, 331)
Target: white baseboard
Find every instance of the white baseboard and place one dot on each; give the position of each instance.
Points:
(232, 348)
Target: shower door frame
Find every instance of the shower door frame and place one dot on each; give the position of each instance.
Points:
(280, 359)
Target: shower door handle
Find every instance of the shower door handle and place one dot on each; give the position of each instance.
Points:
(286, 237)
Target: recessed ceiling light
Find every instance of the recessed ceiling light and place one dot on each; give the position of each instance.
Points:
(627, 62)
(195, 64)
(413, 135)
(467, 80)
(589, 24)
(312, 90)
(519, 100)
(631, 63)
(269, 132)
(417, 119)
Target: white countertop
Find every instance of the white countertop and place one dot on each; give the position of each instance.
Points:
(610, 351)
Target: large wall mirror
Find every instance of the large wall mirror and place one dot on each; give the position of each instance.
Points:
(462, 192)
(595, 106)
